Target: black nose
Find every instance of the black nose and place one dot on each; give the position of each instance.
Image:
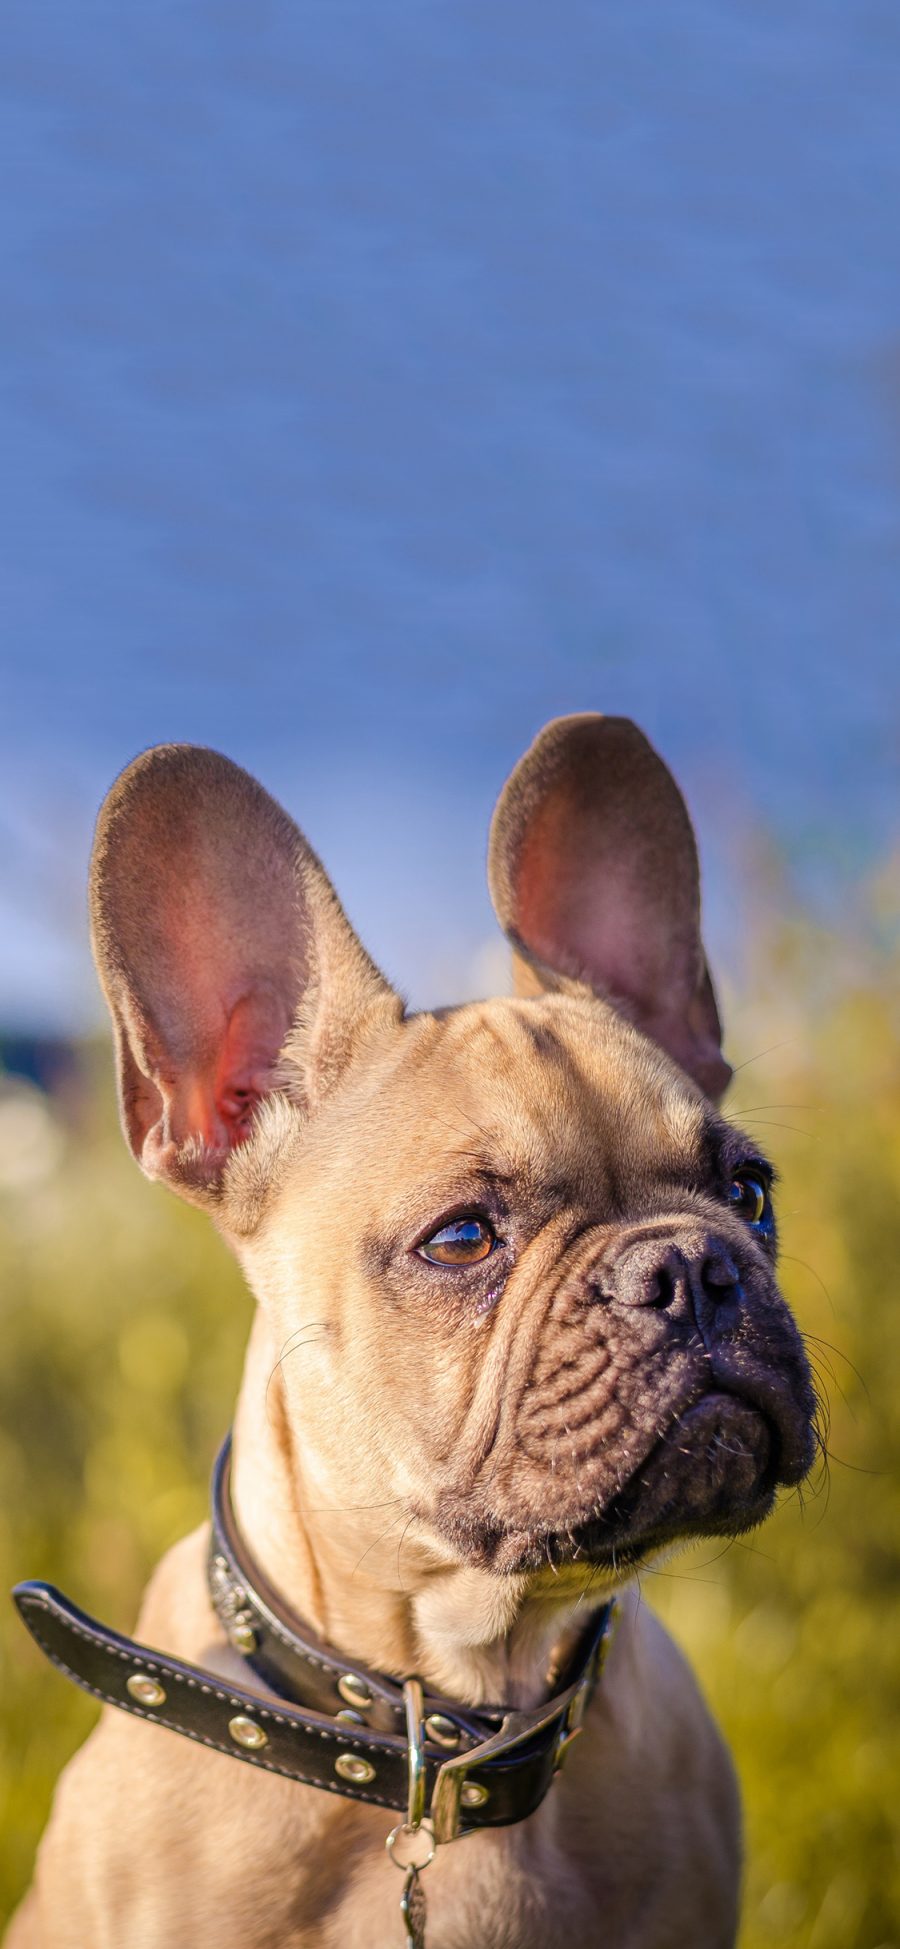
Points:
(658, 1272)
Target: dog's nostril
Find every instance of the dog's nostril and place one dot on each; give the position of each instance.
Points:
(660, 1288)
(644, 1275)
(720, 1278)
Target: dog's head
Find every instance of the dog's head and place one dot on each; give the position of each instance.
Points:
(530, 1265)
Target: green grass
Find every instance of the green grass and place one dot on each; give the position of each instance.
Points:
(123, 1327)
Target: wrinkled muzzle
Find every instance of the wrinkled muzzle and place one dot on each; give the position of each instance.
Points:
(658, 1390)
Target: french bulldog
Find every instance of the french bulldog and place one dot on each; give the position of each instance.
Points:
(518, 1332)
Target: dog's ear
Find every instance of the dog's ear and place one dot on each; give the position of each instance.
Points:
(594, 876)
(219, 941)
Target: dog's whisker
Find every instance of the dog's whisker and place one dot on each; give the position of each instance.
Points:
(771, 1123)
(289, 1349)
(818, 1341)
(349, 1508)
(679, 1576)
(375, 1542)
(756, 1109)
(399, 1552)
(772, 1050)
(751, 1549)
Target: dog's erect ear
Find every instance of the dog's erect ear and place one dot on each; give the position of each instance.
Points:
(594, 876)
(213, 924)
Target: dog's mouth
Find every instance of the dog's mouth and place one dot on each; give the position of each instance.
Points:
(714, 1470)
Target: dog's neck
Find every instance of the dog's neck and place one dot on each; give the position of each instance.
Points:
(355, 1578)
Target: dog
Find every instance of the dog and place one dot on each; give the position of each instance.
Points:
(518, 1331)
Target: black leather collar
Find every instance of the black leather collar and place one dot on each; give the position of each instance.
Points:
(335, 1724)
(298, 1666)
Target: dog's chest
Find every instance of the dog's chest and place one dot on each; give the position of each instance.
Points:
(576, 1875)
(508, 1892)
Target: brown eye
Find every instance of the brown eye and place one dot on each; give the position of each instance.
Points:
(463, 1242)
(748, 1195)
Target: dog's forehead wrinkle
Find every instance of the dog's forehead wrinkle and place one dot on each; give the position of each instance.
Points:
(554, 1096)
(523, 1106)
(566, 1074)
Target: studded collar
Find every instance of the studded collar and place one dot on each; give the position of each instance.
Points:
(296, 1664)
(333, 1723)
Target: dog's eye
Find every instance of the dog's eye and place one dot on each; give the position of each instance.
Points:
(748, 1195)
(462, 1242)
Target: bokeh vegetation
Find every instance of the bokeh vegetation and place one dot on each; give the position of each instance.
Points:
(123, 1324)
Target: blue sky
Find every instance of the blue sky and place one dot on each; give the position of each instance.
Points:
(380, 382)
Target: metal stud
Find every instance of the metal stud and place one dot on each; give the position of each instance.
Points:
(243, 1637)
(246, 1732)
(349, 1766)
(354, 1690)
(473, 1795)
(442, 1731)
(350, 1718)
(232, 1598)
(145, 1690)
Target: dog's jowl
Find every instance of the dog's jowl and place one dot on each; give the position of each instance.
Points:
(526, 1271)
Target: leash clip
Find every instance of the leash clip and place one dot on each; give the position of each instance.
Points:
(411, 1843)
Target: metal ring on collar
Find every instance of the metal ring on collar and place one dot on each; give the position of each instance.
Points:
(411, 1847)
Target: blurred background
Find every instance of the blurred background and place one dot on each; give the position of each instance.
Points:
(377, 384)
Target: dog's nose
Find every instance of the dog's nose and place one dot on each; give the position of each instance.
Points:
(659, 1273)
